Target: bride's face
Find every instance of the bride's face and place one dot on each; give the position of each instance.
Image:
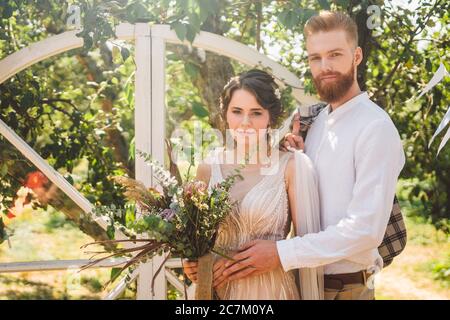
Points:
(246, 117)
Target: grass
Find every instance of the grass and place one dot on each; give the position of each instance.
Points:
(422, 270)
(50, 236)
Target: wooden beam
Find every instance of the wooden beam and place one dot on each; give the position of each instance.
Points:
(31, 266)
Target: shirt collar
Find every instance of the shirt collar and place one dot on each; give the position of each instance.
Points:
(346, 107)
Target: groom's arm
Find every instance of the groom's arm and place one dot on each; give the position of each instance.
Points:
(379, 158)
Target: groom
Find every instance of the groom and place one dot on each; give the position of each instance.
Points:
(358, 156)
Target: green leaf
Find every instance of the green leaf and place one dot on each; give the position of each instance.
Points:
(173, 57)
(199, 110)
(306, 14)
(428, 65)
(141, 14)
(431, 23)
(125, 53)
(194, 21)
(207, 7)
(132, 149)
(204, 9)
(214, 5)
(292, 19)
(27, 100)
(110, 232)
(191, 69)
(68, 177)
(130, 215)
(115, 52)
(4, 170)
(180, 30)
(282, 16)
(342, 3)
(115, 272)
(4, 36)
(36, 85)
(324, 4)
(7, 12)
(191, 33)
(88, 42)
(184, 4)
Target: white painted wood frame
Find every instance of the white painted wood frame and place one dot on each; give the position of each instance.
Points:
(149, 110)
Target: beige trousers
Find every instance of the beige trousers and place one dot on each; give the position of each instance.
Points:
(350, 292)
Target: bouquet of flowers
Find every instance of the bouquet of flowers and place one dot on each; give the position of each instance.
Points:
(182, 220)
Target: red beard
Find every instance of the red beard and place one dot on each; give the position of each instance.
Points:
(337, 88)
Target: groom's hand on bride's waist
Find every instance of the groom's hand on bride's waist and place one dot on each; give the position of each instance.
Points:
(256, 257)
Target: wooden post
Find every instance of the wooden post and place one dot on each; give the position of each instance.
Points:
(149, 134)
(158, 134)
(142, 125)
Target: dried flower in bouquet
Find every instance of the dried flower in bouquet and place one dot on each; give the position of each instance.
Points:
(183, 219)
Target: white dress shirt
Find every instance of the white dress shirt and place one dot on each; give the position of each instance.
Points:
(358, 156)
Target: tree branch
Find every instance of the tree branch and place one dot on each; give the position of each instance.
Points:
(417, 31)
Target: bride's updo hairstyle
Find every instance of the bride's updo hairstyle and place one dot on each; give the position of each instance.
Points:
(262, 85)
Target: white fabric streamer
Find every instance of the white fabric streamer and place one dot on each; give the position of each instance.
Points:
(437, 77)
(444, 141)
(441, 127)
(308, 221)
(440, 73)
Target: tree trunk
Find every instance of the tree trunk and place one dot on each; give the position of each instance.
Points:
(214, 72)
(364, 39)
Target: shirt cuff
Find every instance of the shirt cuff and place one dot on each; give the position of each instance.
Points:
(286, 253)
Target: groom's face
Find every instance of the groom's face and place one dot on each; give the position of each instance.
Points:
(333, 59)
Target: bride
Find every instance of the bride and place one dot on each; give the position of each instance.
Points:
(277, 189)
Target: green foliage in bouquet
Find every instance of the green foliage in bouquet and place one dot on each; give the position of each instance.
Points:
(183, 219)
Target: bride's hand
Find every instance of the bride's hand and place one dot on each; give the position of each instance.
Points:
(190, 268)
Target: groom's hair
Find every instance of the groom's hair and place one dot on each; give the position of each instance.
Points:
(329, 21)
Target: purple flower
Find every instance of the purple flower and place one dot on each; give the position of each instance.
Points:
(167, 214)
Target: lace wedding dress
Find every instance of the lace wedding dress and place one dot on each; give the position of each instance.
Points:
(261, 212)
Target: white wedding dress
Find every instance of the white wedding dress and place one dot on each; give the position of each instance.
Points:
(262, 212)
